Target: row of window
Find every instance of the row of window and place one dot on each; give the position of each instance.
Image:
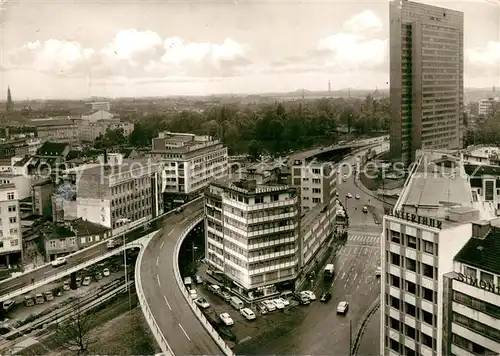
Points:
(412, 242)
(412, 265)
(12, 243)
(476, 326)
(410, 332)
(470, 346)
(410, 309)
(413, 288)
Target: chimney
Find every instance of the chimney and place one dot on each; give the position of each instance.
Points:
(480, 229)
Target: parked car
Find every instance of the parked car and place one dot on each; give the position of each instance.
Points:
(285, 302)
(29, 300)
(8, 305)
(269, 305)
(325, 297)
(302, 298)
(48, 296)
(357, 196)
(349, 195)
(261, 308)
(78, 281)
(226, 295)
(106, 272)
(278, 303)
(342, 307)
(248, 313)
(365, 209)
(202, 303)
(39, 299)
(179, 210)
(215, 289)
(188, 281)
(226, 319)
(198, 279)
(59, 261)
(309, 294)
(193, 294)
(378, 272)
(66, 285)
(86, 281)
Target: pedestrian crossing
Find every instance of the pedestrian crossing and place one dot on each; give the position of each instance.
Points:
(365, 239)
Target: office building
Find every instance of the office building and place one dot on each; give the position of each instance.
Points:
(252, 235)
(430, 223)
(56, 130)
(10, 231)
(426, 79)
(471, 313)
(100, 105)
(191, 163)
(119, 189)
(485, 106)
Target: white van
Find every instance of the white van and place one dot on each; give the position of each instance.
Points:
(237, 303)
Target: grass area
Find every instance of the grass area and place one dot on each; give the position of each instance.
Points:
(118, 332)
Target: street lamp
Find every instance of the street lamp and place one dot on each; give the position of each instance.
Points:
(193, 250)
(125, 221)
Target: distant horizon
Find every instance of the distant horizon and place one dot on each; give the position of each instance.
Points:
(298, 92)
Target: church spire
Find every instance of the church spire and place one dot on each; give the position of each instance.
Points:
(10, 104)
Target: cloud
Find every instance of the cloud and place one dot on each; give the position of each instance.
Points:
(363, 22)
(353, 49)
(483, 60)
(133, 54)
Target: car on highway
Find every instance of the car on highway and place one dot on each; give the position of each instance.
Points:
(325, 297)
(349, 195)
(269, 305)
(106, 272)
(302, 298)
(248, 313)
(59, 261)
(365, 209)
(214, 288)
(179, 210)
(357, 196)
(202, 303)
(198, 279)
(193, 294)
(86, 281)
(261, 308)
(309, 294)
(278, 303)
(226, 319)
(342, 307)
(188, 281)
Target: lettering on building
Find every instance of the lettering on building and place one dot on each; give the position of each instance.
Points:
(422, 220)
(478, 283)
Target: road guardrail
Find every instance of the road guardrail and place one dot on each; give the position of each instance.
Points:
(203, 320)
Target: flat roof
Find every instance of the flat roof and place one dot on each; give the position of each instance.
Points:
(482, 253)
(310, 217)
(127, 165)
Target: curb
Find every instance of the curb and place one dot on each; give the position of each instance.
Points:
(357, 340)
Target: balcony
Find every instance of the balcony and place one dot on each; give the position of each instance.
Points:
(273, 268)
(273, 230)
(273, 255)
(271, 218)
(270, 243)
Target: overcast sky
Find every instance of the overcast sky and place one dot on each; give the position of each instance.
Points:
(75, 49)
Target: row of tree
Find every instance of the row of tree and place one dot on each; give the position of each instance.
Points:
(274, 128)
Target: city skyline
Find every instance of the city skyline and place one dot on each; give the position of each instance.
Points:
(56, 50)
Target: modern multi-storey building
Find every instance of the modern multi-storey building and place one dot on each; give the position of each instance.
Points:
(430, 223)
(100, 105)
(426, 78)
(10, 230)
(57, 130)
(252, 235)
(191, 163)
(471, 310)
(120, 194)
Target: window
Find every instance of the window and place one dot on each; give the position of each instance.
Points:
(409, 352)
(470, 272)
(14, 243)
(411, 310)
(411, 287)
(411, 264)
(428, 247)
(316, 200)
(476, 304)
(427, 294)
(13, 231)
(316, 171)
(316, 191)
(487, 277)
(428, 317)
(395, 237)
(12, 208)
(395, 302)
(82, 240)
(10, 196)
(427, 340)
(316, 181)
(12, 219)
(394, 345)
(395, 281)
(480, 328)
(394, 324)
(410, 332)
(395, 259)
(428, 270)
(411, 241)
(52, 243)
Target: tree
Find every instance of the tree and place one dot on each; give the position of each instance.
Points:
(254, 150)
(112, 138)
(75, 333)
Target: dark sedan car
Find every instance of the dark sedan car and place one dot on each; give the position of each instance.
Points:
(325, 297)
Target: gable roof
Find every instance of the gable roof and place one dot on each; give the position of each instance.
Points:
(482, 253)
(52, 149)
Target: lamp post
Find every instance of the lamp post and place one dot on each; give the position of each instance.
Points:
(125, 221)
(193, 251)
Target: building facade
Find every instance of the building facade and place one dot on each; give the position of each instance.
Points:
(191, 163)
(100, 105)
(252, 235)
(471, 303)
(426, 78)
(42, 198)
(57, 130)
(127, 189)
(10, 230)
(97, 115)
(315, 182)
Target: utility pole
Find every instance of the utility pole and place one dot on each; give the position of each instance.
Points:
(125, 220)
(350, 337)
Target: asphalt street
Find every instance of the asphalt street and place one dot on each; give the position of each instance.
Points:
(178, 323)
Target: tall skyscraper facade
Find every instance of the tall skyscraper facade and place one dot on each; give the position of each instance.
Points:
(426, 78)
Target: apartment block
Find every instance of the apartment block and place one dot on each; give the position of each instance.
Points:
(100, 105)
(252, 235)
(56, 130)
(10, 230)
(191, 163)
(122, 189)
(42, 198)
(426, 78)
(471, 303)
(431, 222)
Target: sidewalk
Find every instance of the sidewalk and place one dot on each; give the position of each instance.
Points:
(370, 340)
